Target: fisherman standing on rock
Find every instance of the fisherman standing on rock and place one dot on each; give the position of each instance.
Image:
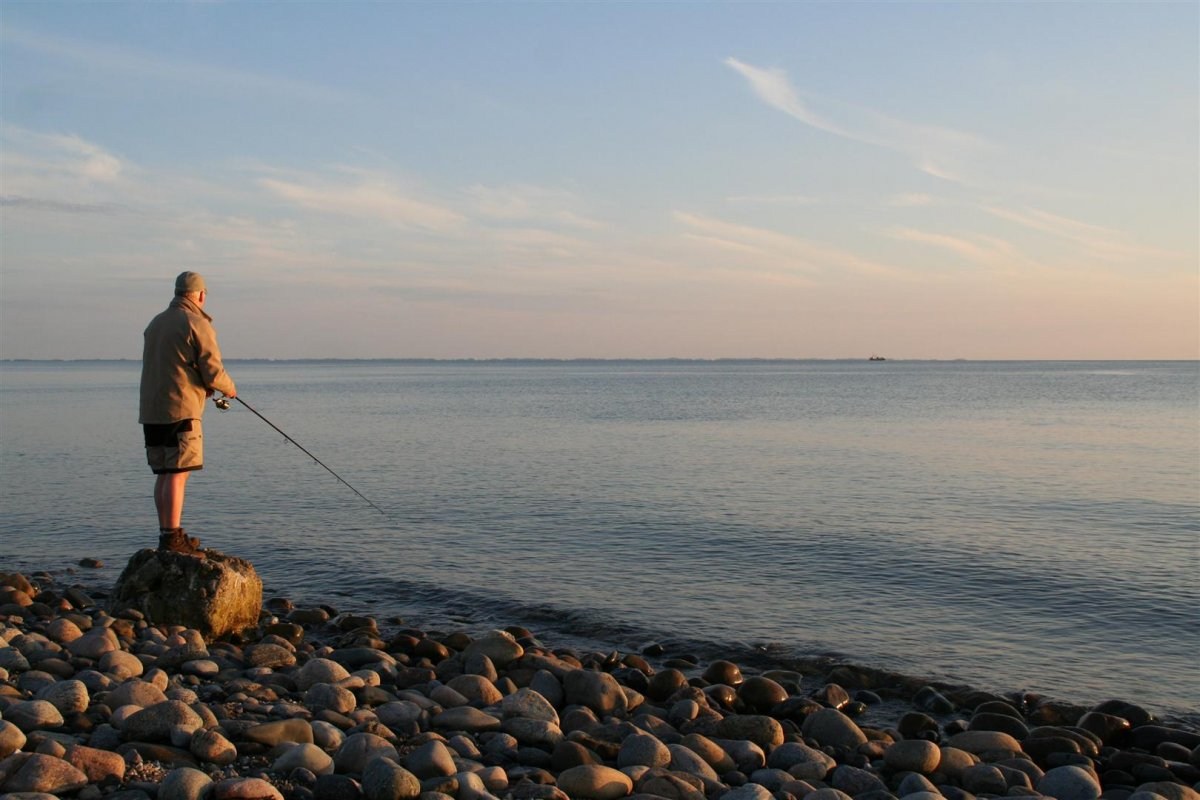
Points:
(181, 366)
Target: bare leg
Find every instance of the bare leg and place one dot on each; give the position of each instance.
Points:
(168, 498)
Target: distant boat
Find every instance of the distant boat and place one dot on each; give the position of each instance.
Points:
(877, 358)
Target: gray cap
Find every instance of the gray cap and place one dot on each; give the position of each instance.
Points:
(189, 282)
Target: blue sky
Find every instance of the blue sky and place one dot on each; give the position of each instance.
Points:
(925, 180)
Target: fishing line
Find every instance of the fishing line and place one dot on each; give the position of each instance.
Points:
(223, 404)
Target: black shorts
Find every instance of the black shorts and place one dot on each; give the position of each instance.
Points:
(174, 447)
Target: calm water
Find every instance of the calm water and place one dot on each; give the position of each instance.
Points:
(1031, 526)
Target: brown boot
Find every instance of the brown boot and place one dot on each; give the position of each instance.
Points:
(176, 541)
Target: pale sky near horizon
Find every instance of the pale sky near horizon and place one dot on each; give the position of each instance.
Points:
(604, 180)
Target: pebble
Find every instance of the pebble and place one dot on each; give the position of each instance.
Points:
(831, 727)
(245, 789)
(384, 779)
(33, 715)
(801, 761)
(1070, 783)
(913, 755)
(43, 773)
(595, 781)
(321, 708)
(184, 783)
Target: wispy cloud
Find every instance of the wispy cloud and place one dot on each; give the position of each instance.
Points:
(772, 200)
(56, 206)
(367, 197)
(1099, 242)
(782, 252)
(912, 200)
(981, 251)
(42, 158)
(144, 66)
(937, 151)
(526, 202)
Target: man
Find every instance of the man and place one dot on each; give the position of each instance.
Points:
(181, 366)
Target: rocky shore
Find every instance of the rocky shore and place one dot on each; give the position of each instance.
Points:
(313, 703)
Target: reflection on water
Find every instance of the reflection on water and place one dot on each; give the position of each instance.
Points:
(1015, 525)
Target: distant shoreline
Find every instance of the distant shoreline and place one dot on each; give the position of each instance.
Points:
(647, 361)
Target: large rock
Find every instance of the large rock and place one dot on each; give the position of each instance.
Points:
(214, 593)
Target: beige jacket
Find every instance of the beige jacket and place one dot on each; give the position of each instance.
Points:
(181, 364)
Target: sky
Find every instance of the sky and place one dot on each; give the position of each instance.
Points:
(977, 180)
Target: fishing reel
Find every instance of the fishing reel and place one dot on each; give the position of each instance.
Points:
(222, 403)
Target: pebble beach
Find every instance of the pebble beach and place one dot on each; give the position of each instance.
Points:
(317, 703)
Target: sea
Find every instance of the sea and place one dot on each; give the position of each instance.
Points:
(1012, 526)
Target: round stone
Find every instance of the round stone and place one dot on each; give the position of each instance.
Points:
(665, 683)
(12, 738)
(685, 760)
(1069, 783)
(984, 779)
(121, 665)
(69, 697)
(530, 704)
(913, 755)
(1169, 790)
(272, 656)
(953, 762)
(155, 724)
(97, 765)
(359, 749)
(184, 783)
(94, 644)
(211, 746)
(801, 761)
(761, 694)
(999, 722)
(201, 668)
(979, 742)
(44, 773)
(724, 672)
(533, 732)
(34, 715)
(272, 734)
(595, 782)
(322, 696)
(384, 779)
(827, 794)
(319, 670)
(304, 756)
(749, 791)
(399, 713)
(245, 789)
(501, 648)
(431, 760)
(477, 689)
(63, 630)
(465, 718)
(642, 749)
(598, 691)
(854, 781)
(710, 751)
(830, 727)
(135, 693)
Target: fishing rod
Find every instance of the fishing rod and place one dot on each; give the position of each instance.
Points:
(223, 404)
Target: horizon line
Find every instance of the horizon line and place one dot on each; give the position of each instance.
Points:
(603, 360)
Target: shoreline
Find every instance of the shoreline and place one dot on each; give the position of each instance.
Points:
(524, 717)
(448, 612)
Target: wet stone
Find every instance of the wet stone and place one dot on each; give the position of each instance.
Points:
(830, 727)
